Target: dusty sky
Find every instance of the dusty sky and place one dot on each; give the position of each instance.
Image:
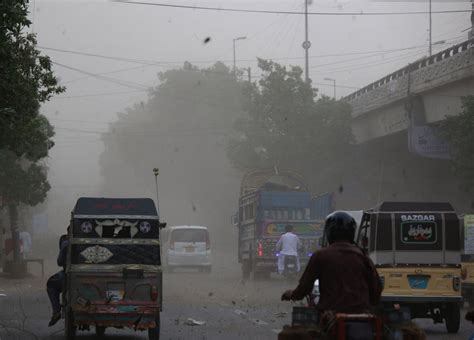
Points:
(169, 36)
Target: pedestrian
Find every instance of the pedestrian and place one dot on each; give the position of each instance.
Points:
(26, 244)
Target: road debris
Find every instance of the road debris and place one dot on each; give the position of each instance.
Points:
(259, 322)
(239, 312)
(192, 322)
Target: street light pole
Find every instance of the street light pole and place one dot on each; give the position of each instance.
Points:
(334, 85)
(156, 172)
(306, 43)
(233, 49)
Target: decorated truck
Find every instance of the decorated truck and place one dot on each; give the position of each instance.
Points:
(269, 200)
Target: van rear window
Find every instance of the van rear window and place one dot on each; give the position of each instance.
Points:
(189, 235)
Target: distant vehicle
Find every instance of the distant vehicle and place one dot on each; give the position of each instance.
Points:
(467, 282)
(467, 269)
(416, 249)
(269, 200)
(113, 271)
(189, 247)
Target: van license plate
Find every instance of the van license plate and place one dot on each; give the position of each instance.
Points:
(291, 266)
(189, 249)
(418, 281)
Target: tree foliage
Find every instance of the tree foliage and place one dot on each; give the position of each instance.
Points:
(26, 81)
(288, 127)
(458, 131)
(182, 129)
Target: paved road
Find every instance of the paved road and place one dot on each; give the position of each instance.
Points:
(231, 309)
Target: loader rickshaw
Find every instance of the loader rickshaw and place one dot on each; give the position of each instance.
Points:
(113, 271)
(416, 249)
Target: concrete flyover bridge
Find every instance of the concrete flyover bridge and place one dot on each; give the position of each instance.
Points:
(379, 109)
(399, 155)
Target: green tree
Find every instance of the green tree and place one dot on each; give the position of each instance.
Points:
(288, 127)
(181, 128)
(26, 81)
(458, 132)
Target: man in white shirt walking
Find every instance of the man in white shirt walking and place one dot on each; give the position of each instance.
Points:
(288, 244)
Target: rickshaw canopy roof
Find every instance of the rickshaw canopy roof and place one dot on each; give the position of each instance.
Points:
(413, 206)
(110, 207)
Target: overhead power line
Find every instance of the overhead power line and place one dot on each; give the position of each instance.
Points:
(246, 10)
(109, 79)
(180, 62)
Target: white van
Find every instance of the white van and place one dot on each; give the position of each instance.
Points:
(189, 247)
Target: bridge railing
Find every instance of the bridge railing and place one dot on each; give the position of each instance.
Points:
(421, 63)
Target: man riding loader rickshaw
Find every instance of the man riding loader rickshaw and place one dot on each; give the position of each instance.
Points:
(113, 271)
(416, 249)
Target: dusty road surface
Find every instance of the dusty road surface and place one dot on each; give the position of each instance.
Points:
(231, 309)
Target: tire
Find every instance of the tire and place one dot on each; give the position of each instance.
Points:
(154, 333)
(100, 331)
(452, 317)
(69, 328)
(246, 270)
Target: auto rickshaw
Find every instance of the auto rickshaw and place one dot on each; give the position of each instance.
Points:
(417, 251)
(113, 271)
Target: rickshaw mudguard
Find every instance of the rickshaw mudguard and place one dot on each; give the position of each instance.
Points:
(137, 311)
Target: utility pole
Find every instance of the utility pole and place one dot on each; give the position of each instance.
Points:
(306, 43)
(430, 28)
(249, 71)
(471, 31)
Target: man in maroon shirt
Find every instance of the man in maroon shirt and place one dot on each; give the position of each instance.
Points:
(348, 280)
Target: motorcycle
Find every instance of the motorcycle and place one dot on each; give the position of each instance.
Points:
(290, 269)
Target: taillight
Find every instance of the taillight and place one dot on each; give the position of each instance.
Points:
(464, 273)
(208, 246)
(260, 249)
(154, 293)
(456, 283)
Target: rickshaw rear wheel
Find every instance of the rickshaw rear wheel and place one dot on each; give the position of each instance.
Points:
(154, 333)
(99, 331)
(452, 317)
(70, 329)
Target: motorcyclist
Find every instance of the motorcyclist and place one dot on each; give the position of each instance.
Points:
(288, 245)
(55, 283)
(348, 280)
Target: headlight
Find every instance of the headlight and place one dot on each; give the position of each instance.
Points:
(86, 227)
(144, 227)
